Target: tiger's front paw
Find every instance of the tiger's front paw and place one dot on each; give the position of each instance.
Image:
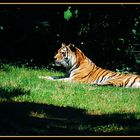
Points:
(46, 77)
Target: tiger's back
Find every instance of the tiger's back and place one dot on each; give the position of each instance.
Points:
(88, 72)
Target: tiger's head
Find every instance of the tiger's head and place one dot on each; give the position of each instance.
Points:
(66, 56)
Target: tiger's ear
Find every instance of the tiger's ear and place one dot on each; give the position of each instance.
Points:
(72, 47)
(63, 45)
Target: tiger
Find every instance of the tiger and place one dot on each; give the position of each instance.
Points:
(81, 69)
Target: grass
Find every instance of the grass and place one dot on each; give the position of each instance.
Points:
(33, 106)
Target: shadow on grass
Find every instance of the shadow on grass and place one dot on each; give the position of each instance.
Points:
(24, 118)
(10, 92)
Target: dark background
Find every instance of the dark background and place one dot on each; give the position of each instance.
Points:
(108, 34)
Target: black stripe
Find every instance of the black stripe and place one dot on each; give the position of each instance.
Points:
(101, 75)
(87, 74)
(112, 75)
(133, 81)
(127, 81)
(91, 72)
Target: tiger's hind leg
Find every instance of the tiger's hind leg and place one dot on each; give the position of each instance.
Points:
(121, 83)
(133, 82)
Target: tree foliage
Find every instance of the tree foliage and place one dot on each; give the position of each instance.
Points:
(108, 34)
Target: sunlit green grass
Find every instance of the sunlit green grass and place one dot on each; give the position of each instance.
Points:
(22, 85)
(92, 98)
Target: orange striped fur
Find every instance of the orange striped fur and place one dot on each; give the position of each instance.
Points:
(81, 69)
